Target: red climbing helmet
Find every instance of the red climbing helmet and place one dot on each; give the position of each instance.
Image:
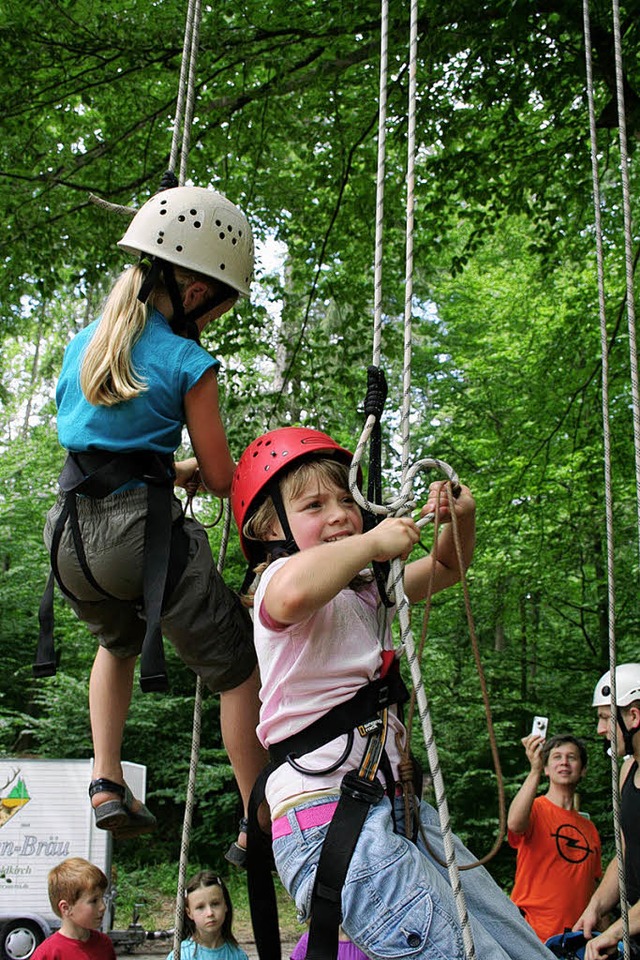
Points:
(268, 456)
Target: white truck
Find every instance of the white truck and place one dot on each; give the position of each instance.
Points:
(45, 817)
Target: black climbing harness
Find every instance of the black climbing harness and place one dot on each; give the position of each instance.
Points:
(98, 474)
(360, 789)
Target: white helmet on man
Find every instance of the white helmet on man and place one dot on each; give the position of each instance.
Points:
(627, 686)
(197, 229)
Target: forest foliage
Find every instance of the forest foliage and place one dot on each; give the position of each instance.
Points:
(506, 358)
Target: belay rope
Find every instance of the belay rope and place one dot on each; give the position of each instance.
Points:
(606, 420)
(404, 502)
(183, 119)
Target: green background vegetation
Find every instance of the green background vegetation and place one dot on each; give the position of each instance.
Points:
(506, 382)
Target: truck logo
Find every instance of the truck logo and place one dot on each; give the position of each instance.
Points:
(16, 797)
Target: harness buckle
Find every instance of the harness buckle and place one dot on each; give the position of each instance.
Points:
(367, 791)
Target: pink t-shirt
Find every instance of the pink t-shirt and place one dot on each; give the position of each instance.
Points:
(311, 666)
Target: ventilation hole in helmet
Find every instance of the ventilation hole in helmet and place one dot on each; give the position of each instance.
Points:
(193, 212)
(229, 228)
(179, 248)
(221, 235)
(239, 233)
(162, 203)
(233, 241)
(182, 218)
(218, 223)
(159, 240)
(223, 266)
(163, 213)
(197, 224)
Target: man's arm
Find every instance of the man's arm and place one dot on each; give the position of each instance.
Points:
(605, 897)
(520, 810)
(599, 947)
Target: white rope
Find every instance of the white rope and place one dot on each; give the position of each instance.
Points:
(183, 118)
(606, 424)
(188, 818)
(628, 248)
(193, 764)
(404, 502)
(380, 177)
(190, 92)
(186, 89)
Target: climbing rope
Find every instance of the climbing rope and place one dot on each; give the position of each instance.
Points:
(606, 429)
(404, 502)
(183, 119)
(182, 122)
(628, 247)
(185, 102)
(502, 813)
(193, 765)
(186, 90)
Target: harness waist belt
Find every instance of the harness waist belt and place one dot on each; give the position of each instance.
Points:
(98, 474)
(311, 817)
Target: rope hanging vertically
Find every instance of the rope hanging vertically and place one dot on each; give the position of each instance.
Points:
(628, 248)
(404, 502)
(608, 484)
(183, 119)
(186, 90)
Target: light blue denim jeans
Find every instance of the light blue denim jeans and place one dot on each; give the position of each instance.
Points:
(397, 903)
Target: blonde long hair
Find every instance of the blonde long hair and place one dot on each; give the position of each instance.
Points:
(107, 375)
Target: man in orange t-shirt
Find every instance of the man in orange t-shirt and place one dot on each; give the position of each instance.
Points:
(559, 851)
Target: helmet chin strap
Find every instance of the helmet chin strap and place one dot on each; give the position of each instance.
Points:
(275, 548)
(183, 322)
(627, 732)
(287, 546)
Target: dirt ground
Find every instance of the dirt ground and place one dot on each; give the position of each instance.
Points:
(155, 949)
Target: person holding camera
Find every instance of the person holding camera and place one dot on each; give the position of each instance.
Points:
(558, 848)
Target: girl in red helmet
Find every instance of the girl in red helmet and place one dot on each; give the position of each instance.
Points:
(317, 619)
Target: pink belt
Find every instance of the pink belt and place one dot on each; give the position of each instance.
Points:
(311, 817)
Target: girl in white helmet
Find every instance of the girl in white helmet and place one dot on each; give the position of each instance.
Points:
(607, 894)
(130, 565)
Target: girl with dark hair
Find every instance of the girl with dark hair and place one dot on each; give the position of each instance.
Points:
(208, 919)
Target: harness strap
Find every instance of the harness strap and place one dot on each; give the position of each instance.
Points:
(357, 796)
(166, 545)
(157, 548)
(344, 717)
(263, 904)
(358, 791)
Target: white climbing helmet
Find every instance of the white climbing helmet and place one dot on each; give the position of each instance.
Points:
(198, 229)
(627, 686)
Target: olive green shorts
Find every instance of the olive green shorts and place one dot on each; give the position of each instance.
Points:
(204, 620)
